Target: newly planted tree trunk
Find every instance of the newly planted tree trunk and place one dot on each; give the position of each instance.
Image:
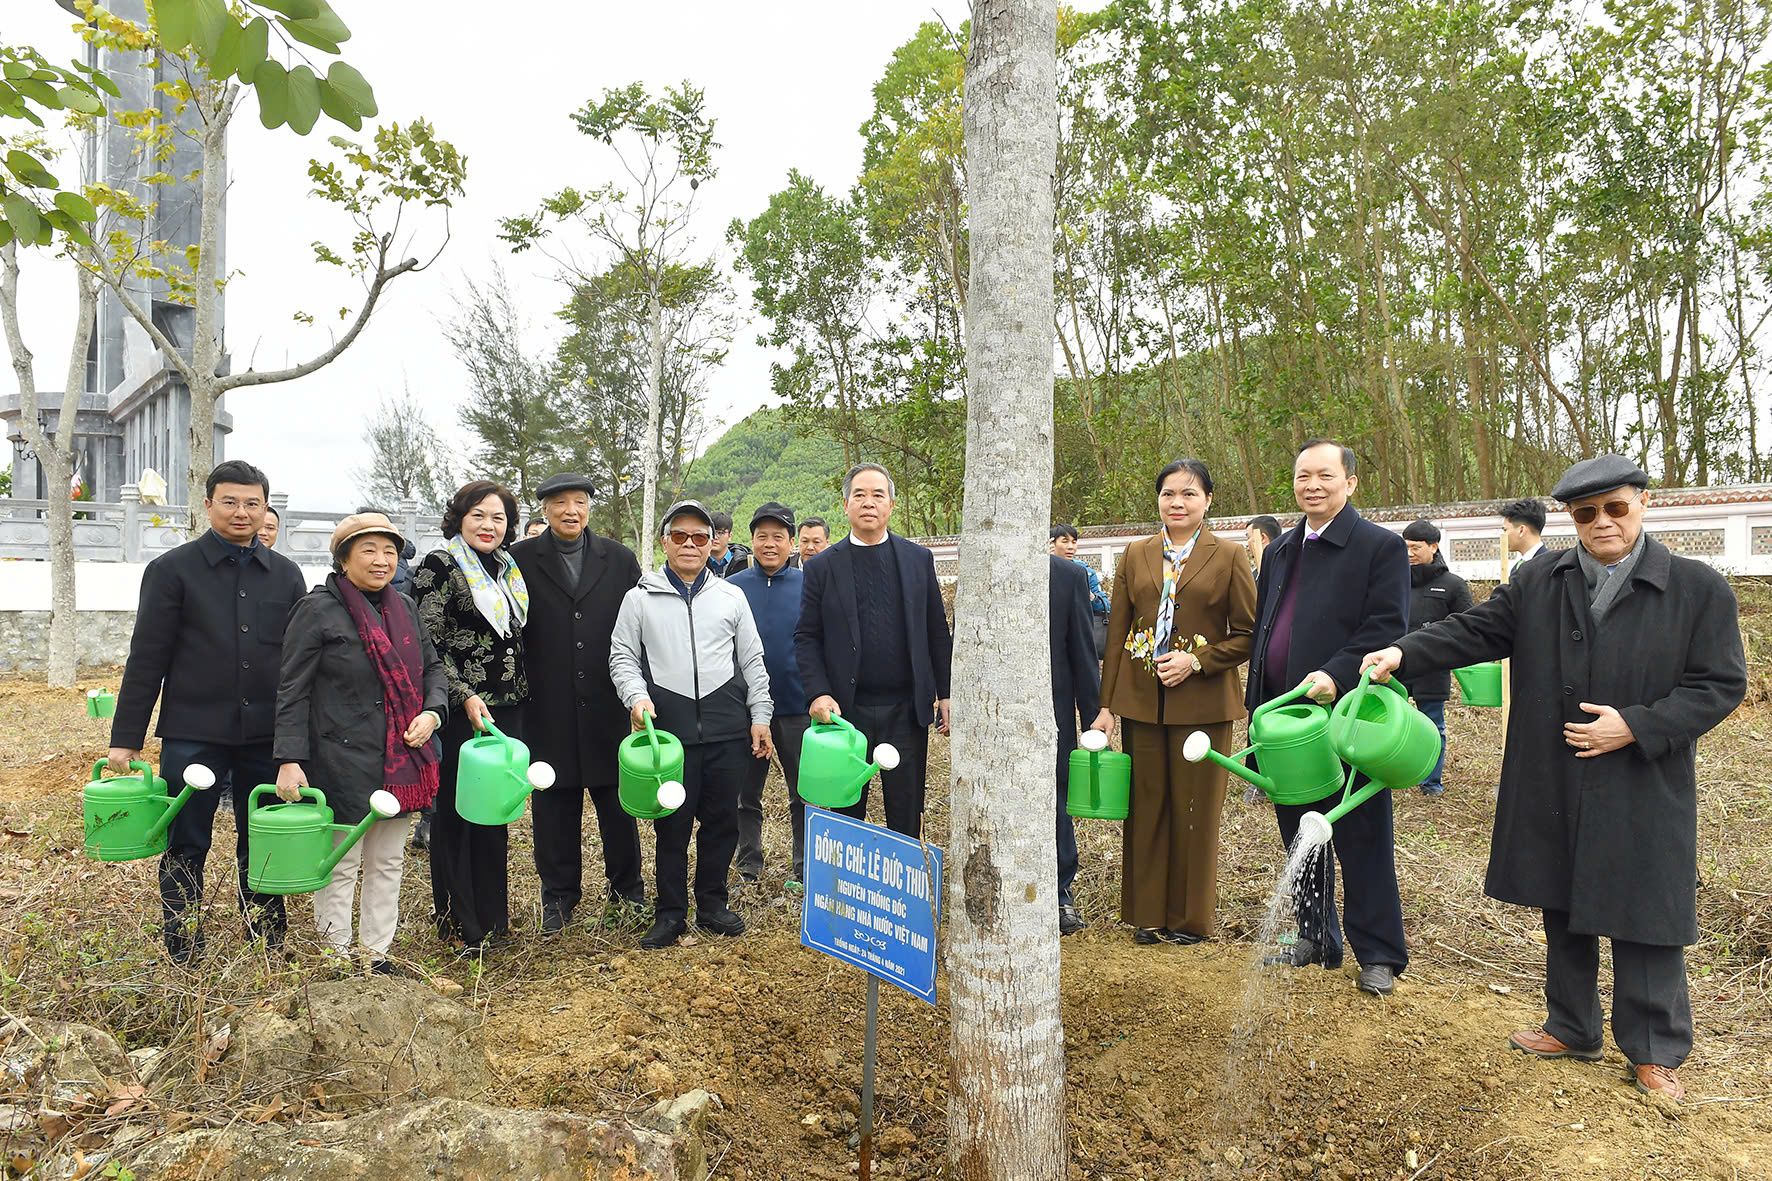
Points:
(55, 453)
(1006, 1103)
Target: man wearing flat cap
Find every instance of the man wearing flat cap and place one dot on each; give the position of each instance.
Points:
(576, 584)
(1623, 657)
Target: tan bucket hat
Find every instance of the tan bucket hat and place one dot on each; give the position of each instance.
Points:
(358, 524)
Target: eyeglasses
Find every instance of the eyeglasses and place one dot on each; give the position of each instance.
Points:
(684, 537)
(1585, 514)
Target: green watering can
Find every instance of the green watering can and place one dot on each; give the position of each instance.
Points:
(1480, 684)
(1100, 780)
(1290, 738)
(834, 765)
(100, 703)
(127, 817)
(289, 847)
(495, 776)
(1377, 733)
(650, 773)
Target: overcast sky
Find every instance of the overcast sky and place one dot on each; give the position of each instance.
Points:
(789, 83)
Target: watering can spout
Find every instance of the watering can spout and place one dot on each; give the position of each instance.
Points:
(541, 776)
(1314, 829)
(382, 806)
(1198, 746)
(198, 778)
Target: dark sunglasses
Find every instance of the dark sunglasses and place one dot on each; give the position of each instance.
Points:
(1586, 514)
(684, 537)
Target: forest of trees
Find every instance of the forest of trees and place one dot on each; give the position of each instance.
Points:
(1476, 240)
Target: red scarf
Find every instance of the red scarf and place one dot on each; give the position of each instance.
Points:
(390, 637)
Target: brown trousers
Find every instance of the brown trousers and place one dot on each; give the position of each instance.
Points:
(1170, 877)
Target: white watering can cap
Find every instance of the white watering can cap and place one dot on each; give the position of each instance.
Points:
(1093, 740)
(671, 794)
(1314, 829)
(94, 692)
(541, 776)
(199, 776)
(886, 756)
(384, 804)
(1195, 747)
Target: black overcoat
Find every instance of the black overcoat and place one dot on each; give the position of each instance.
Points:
(1612, 839)
(1076, 671)
(329, 701)
(575, 720)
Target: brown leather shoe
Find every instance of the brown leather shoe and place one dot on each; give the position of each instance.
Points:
(1543, 1045)
(1661, 1080)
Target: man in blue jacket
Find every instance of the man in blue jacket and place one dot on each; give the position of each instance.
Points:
(772, 587)
(1331, 589)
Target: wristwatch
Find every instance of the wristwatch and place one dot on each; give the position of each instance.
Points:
(1194, 659)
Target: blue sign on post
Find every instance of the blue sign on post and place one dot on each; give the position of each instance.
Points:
(872, 899)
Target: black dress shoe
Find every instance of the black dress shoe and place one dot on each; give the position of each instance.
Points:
(554, 920)
(1069, 921)
(1146, 936)
(1180, 938)
(718, 922)
(664, 933)
(1304, 953)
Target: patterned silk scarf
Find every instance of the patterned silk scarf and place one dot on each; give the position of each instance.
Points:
(503, 602)
(390, 637)
(1173, 560)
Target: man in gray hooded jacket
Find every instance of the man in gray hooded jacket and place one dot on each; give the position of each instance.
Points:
(686, 651)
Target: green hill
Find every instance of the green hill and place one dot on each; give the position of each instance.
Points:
(762, 458)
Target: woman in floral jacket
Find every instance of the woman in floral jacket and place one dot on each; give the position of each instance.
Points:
(473, 602)
(1182, 618)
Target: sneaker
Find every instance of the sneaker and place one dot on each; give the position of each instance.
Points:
(554, 919)
(421, 833)
(664, 933)
(1304, 953)
(1378, 979)
(1661, 1080)
(719, 922)
(1069, 921)
(1433, 789)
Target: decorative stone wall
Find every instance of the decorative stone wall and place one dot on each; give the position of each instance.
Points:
(24, 638)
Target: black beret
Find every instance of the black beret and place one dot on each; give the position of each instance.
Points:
(1422, 530)
(1602, 473)
(565, 482)
(773, 510)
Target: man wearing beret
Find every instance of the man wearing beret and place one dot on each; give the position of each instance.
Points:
(576, 584)
(1623, 657)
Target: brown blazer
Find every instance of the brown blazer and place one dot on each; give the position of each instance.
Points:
(1215, 599)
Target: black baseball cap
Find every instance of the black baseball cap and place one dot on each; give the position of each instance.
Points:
(773, 510)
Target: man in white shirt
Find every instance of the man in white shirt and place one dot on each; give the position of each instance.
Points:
(1524, 521)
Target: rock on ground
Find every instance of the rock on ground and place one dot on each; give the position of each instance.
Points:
(367, 1043)
(58, 1061)
(448, 1138)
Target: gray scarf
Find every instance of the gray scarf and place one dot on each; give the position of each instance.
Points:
(1605, 587)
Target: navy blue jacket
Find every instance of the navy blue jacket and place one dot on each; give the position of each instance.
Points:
(828, 638)
(1353, 598)
(775, 605)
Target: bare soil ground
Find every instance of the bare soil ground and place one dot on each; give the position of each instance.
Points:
(1333, 1084)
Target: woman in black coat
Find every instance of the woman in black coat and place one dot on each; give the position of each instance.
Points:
(474, 602)
(361, 694)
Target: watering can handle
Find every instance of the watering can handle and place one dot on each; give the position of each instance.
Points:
(510, 747)
(308, 793)
(1303, 688)
(147, 769)
(652, 740)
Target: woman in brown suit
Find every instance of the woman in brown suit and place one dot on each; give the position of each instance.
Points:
(1182, 619)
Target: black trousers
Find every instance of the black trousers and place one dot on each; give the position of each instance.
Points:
(713, 775)
(1067, 829)
(189, 836)
(902, 789)
(558, 815)
(470, 896)
(1364, 843)
(1651, 1005)
(787, 732)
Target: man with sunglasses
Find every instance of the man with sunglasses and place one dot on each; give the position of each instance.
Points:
(686, 651)
(1623, 657)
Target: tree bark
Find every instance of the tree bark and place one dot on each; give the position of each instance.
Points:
(1006, 1104)
(654, 397)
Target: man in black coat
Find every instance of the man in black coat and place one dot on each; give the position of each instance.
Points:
(1623, 657)
(1076, 692)
(1333, 587)
(1434, 594)
(873, 643)
(208, 643)
(576, 584)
